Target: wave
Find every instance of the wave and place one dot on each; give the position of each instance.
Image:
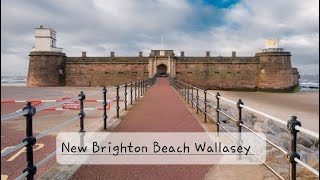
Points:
(13, 80)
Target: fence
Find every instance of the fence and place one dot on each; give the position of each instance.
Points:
(293, 125)
(134, 89)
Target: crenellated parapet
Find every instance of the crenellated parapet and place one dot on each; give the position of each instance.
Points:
(269, 69)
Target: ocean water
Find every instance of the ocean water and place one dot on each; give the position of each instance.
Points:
(309, 82)
(13, 80)
(306, 81)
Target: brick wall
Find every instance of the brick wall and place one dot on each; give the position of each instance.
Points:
(215, 75)
(105, 72)
(267, 71)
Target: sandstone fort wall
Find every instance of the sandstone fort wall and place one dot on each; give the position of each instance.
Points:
(264, 71)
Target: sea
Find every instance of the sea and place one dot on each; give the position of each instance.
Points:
(307, 82)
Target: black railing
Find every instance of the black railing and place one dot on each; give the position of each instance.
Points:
(29, 111)
(293, 125)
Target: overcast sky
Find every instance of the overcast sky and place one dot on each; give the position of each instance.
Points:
(130, 26)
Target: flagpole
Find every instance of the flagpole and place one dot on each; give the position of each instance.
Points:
(162, 42)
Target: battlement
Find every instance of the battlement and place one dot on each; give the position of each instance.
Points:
(269, 69)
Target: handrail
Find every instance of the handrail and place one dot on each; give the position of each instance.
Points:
(293, 125)
(314, 171)
(43, 107)
(29, 111)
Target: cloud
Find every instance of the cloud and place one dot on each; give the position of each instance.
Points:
(193, 26)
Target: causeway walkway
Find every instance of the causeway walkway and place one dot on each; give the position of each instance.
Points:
(161, 110)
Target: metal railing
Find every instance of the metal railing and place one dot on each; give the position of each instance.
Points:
(29, 111)
(293, 125)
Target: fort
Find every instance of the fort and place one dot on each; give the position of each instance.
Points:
(270, 68)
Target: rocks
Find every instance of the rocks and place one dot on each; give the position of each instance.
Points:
(314, 148)
(305, 141)
(285, 144)
(253, 116)
(273, 127)
(303, 148)
(276, 140)
(231, 128)
(284, 136)
(258, 127)
(224, 118)
(311, 157)
(307, 147)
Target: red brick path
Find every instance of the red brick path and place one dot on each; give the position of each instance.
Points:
(161, 110)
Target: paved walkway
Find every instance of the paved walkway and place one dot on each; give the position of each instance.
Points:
(161, 110)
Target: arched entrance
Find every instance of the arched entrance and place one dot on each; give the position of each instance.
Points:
(162, 70)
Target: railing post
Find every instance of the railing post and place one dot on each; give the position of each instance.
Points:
(239, 103)
(188, 93)
(139, 88)
(185, 91)
(192, 96)
(205, 105)
(105, 117)
(81, 97)
(176, 84)
(142, 91)
(197, 100)
(217, 111)
(125, 96)
(293, 146)
(239, 122)
(32, 170)
(118, 107)
(135, 90)
(144, 86)
(181, 89)
(131, 91)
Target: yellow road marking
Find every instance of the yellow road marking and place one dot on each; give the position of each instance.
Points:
(23, 150)
(4, 177)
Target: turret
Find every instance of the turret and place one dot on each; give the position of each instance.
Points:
(275, 70)
(46, 61)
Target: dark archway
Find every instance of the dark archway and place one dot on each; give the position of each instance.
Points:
(162, 70)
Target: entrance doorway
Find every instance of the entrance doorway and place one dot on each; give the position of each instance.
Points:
(162, 70)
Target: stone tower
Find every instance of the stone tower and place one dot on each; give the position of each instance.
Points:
(275, 70)
(46, 61)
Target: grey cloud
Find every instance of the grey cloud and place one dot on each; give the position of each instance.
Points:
(127, 27)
